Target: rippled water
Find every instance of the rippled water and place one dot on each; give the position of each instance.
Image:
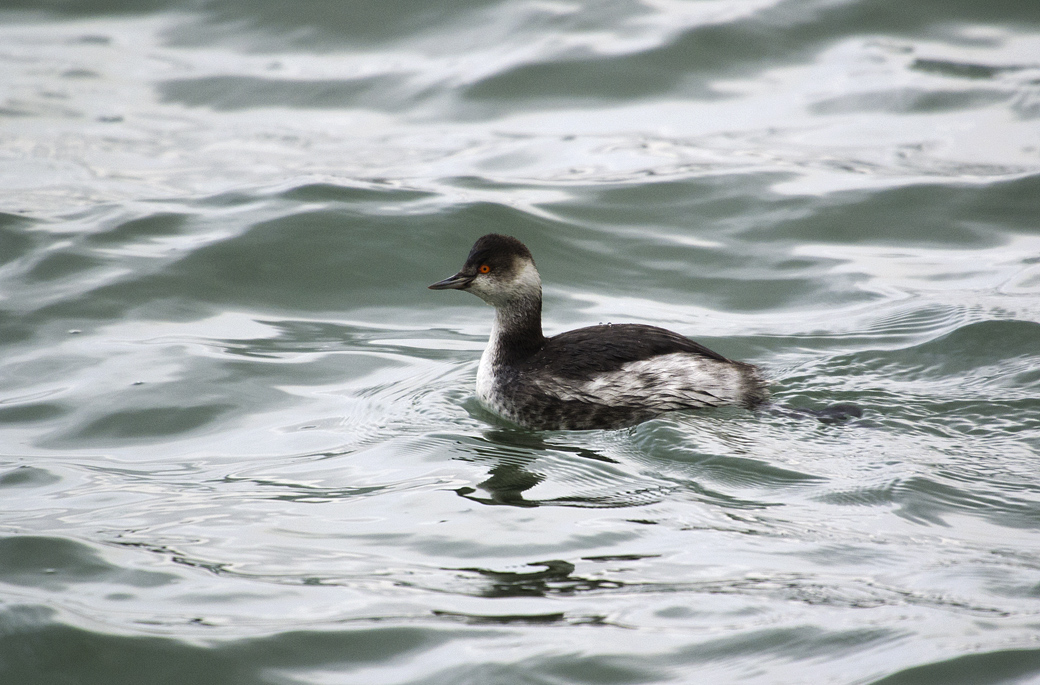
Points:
(239, 441)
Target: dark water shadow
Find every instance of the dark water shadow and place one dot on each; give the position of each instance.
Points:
(57, 563)
(989, 668)
(234, 92)
(927, 501)
(36, 648)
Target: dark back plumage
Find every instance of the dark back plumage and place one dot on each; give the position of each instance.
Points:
(584, 352)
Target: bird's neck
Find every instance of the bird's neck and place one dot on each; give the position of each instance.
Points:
(517, 331)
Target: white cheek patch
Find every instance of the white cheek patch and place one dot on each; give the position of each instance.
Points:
(527, 282)
(524, 284)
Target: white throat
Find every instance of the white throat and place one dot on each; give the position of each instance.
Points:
(488, 360)
(512, 301)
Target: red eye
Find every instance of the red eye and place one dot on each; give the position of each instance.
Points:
(484, 268)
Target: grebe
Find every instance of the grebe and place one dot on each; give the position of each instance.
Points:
(606, 376)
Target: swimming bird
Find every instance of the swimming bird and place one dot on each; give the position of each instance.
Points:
(606, 376)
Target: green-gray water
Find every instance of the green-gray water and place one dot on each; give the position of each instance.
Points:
(239, 441)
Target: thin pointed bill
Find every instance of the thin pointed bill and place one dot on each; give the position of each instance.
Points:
(457, 282)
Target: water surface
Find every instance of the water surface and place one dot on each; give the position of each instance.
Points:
(239, 441)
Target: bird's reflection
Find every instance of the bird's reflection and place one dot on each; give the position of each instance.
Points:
(511, 452)
(506, 485)
(556, 577)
